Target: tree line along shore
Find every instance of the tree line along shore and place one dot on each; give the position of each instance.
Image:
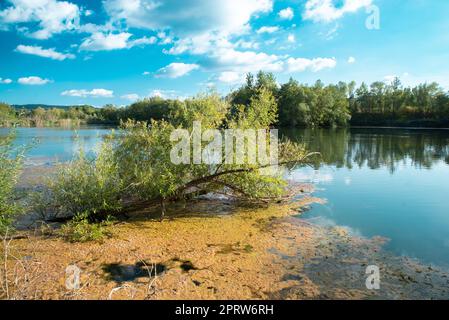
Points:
(298, 105)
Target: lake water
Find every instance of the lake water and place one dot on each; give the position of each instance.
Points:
(392, 183)
(57, 144)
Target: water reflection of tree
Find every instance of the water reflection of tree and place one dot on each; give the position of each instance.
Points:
(375, 148)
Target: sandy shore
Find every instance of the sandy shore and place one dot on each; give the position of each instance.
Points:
(210, 250)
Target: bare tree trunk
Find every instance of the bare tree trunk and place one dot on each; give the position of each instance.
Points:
(162, 209)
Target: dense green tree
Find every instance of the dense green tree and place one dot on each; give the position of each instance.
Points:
(319, 105)
(294, 111)
(7, 114)
(243, 95)
(155, 108)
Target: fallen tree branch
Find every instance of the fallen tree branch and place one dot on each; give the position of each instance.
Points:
(212, 177)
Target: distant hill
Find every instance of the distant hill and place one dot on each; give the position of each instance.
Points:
(45, 106)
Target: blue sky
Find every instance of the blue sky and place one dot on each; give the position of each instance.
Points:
(117, 51)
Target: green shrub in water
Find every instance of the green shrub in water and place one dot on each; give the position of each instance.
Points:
(11, 160)
(88, 186)
(136, 170)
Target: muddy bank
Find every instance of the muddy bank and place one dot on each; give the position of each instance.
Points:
(211, 250)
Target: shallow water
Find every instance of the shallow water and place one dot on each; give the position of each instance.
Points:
(392, 183)
(57, 144)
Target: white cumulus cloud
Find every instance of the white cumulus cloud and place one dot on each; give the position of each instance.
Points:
(246, 44)
(176, 70)
(5, 81)
(51, 16)
(266, 29)
(230, 77)
(99, 41)
(46, 53)
(94, 93)
(220, 54)
(200, 44)
(130, 97)
(327, 11)
(314, 65)
(142, 41)
(351, 60)
(187, 18)
(33, 81)
(228, 59)
(286, 14)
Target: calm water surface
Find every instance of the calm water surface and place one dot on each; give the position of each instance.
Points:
(57, 144)
(392, 183)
